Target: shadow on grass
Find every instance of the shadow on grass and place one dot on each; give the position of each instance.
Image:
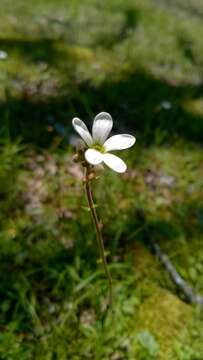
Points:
(186, 223)
(33, 49)
(131, 16)
(138, 102)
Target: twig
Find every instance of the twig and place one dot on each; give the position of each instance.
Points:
(181, 284)
(187, 291)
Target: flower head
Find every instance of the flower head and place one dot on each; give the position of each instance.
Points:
(99, 146)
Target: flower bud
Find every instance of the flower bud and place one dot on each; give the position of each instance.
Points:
(80, 146)
(91, 176)
(75, 158)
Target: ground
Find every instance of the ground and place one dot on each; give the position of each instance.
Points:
(142, 62)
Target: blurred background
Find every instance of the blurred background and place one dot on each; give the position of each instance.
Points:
(141, 61)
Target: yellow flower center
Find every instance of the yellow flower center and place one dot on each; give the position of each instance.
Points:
(99, 148)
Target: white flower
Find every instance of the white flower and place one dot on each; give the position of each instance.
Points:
(98, 144)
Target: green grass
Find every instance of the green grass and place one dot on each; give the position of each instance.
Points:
(52, 289)
(142, 62)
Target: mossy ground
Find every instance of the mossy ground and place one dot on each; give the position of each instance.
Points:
(142, 62)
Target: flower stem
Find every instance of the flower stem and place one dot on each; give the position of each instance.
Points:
(97, 226)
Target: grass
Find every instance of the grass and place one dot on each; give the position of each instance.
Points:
(142, 62)
(52, 288)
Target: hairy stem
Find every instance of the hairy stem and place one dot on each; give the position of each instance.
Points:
(97, 226)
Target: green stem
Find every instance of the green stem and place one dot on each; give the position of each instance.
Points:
(97, 226)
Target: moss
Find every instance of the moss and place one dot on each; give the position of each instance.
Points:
(164, 315)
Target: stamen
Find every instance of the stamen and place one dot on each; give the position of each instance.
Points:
(99, 148)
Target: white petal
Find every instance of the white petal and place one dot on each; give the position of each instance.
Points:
(82, 130)
(93, 156)
(119, 142)
(115, 163)
(101, 128)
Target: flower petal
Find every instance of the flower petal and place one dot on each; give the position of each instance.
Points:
(93, 156)
(101, 128)
(119, 142)
(82, 130)
(114, 162)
